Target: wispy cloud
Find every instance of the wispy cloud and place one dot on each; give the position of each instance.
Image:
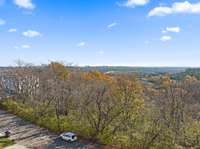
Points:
(164, 31)
(100, 52)
(112, 25)
(133, 3)
(165, 38)
(25, 46)
(172, 29)
(11, 30)
(31, 33)
(2, 22)
(177, 7)
(26, 4)
(81, 44)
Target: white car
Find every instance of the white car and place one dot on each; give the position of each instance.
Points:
(5, 134)
(69, 136)
(2, 135)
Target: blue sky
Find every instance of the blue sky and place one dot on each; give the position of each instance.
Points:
(101, 32)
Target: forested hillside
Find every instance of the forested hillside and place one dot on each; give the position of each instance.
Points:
(119, 111)
(143, 70)
(193, 72)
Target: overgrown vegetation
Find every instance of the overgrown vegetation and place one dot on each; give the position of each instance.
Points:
(4, 142)
(109, 109)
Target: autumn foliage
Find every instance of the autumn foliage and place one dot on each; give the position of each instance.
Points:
(120, 110)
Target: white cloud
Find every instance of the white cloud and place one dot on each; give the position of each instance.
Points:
(11, 30)
(112, 25)
(81, 44)
(31, 33)
(164, 31)
(177, 7)
(160, 11)
(25, 46)
(100, 52)
(2, 22)
(27, 4)
(165, 38)
(172, 29)
(133, 3)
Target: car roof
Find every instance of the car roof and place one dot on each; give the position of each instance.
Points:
(69, 134)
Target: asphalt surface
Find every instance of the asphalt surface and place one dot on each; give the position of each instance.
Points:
(34, 137)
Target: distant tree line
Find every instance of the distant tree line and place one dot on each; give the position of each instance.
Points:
(194, 72)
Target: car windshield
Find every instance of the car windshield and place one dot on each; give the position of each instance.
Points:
(70, 136)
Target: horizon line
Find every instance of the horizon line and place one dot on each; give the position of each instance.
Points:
(133, 66)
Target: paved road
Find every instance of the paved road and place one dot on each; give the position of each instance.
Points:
(34, 137)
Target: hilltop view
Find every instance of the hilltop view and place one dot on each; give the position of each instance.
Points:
(99, 74)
